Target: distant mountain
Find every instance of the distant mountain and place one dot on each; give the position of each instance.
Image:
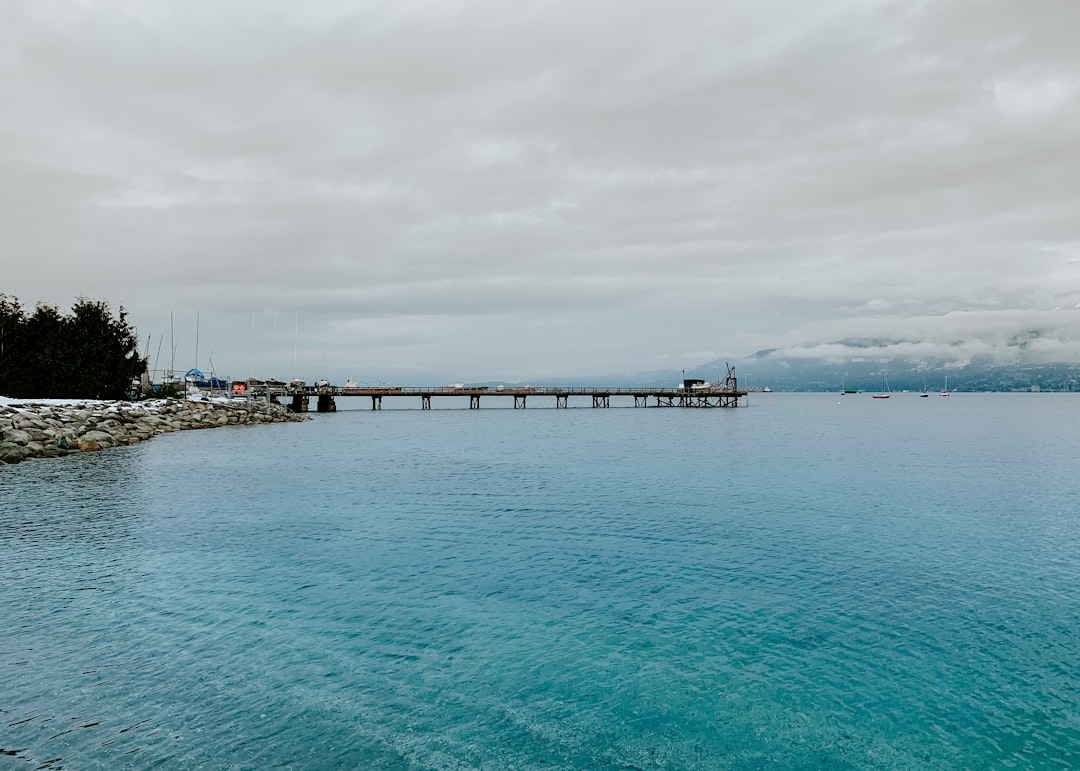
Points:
(780, 373)
(771, 368)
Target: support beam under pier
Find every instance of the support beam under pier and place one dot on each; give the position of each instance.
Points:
(560, 401)
(519, 402)
(601, 400)
(474, 402)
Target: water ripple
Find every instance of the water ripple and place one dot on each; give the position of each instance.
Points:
(594, 589)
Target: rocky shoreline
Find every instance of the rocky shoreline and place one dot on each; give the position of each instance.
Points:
(49, 430)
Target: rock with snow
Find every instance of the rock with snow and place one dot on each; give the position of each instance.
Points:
(48, 429)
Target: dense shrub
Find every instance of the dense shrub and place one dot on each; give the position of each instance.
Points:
(87, 354)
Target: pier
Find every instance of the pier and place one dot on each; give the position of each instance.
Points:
(691, 394)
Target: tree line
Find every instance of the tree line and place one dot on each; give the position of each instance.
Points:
(87, 353)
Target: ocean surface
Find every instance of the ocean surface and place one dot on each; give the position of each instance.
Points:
(812, 581)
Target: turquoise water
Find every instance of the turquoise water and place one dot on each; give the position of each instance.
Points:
(811, 582)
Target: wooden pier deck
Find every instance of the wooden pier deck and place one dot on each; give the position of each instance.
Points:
(724, 395)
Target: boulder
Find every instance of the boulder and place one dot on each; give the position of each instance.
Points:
(102, 438)
(16, 436)
(12, 453)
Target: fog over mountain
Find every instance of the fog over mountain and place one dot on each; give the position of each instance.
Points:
(977, 351)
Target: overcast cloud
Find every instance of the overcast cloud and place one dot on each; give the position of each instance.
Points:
(512, 190)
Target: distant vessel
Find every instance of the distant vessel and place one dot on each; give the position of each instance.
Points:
(844, 391)
(924, 393)
(766, 390)
(884, 388)
(946, 391)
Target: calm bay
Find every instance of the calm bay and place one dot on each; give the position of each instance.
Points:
(813, 581)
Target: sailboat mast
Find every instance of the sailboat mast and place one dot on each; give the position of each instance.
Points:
(251, 360)
(273, 350)
(157, 357)
(196, 339)
(172, 345)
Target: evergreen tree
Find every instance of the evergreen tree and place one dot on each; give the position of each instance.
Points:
(105, 349)
(11, 316)
(12, 326)
(43, 356)
(87, 354)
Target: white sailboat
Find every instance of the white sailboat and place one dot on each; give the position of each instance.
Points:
(884, 388)
(946, 391)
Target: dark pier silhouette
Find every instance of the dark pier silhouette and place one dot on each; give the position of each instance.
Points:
(691, 393)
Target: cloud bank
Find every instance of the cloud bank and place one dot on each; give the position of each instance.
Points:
(469, 190)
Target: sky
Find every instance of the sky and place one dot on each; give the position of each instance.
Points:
(467, 190)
